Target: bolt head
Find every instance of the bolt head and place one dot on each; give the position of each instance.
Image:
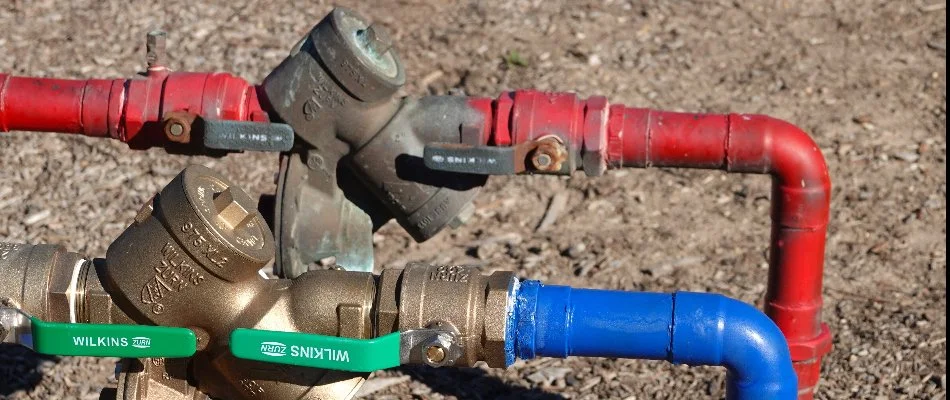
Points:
(543, 160)
(230, 212)
(435, 354)
(176, 129)
(548, 156)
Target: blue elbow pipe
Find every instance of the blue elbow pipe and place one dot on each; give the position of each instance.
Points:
(682, 328)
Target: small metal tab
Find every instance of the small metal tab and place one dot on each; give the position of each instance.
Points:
(546, 155)
(15, 327)
(247, 136)
(463, 158)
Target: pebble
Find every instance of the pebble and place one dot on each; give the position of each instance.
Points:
(36, 217)
(576, 250)
(908, 156)
(594, 60)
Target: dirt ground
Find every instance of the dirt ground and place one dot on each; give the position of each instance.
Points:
(866, 78)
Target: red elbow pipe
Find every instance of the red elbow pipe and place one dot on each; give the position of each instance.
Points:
(801, 187)
(130, 110)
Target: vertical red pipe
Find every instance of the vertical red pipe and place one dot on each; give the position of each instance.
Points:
(801, 189)
(801, 192)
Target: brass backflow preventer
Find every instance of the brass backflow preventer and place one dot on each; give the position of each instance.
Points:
(191, 259)
(179, 296)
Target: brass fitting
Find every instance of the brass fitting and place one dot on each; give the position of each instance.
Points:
(54, 285)
(191, 259)
(457, 297)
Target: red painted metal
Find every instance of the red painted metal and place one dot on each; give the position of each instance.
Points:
(130, 110)
(801, 188)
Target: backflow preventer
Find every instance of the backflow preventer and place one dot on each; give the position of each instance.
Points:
(179, 296)
(354, 154)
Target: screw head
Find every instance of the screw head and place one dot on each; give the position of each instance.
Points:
(435, 354)
(548, 155)
(542, 160)
(176, 129)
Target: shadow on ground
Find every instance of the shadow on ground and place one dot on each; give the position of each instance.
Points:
(20, 369)
(473, 384)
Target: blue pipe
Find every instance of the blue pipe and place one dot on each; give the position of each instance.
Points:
(682, 328)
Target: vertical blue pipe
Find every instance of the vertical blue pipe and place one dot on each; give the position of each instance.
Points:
(682, 328)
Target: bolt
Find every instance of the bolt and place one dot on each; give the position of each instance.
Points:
(232, 213)
(376, 38)
(548, 155)
(177, 125)
(435, 354)
(542, 160)
(155, 49)
(176, 129)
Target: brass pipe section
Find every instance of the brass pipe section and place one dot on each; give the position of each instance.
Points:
(52, 284)
(191, 259)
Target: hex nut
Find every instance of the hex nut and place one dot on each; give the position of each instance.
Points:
(60, 281)
(594, 158)
(387, 303)
(500, 285)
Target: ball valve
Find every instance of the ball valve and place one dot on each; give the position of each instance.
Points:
(317, 336)
(355, 154)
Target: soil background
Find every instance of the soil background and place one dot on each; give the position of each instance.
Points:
(865, 77)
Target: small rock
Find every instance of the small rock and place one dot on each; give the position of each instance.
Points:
(594, 60)
(908, 156)
(548, 375)
(862, 119)
(537, 378)
(576, 250)
(588, 384)
(36, 217)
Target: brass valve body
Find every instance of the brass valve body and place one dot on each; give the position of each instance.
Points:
(191, 259)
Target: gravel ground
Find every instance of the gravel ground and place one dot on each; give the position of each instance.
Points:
(865, 77)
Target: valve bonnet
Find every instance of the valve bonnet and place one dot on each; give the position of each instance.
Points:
(217, 223)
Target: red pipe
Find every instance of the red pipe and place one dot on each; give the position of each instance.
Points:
(130, 110)
(801, 187)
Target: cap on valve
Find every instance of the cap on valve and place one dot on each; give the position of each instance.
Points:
(216, 222)
(195, 242)
(358, 54)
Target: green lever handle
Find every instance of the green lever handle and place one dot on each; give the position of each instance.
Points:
(105, 340)
(317, 351)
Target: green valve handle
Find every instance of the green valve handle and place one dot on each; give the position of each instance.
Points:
(106, 340)
(317, 351)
